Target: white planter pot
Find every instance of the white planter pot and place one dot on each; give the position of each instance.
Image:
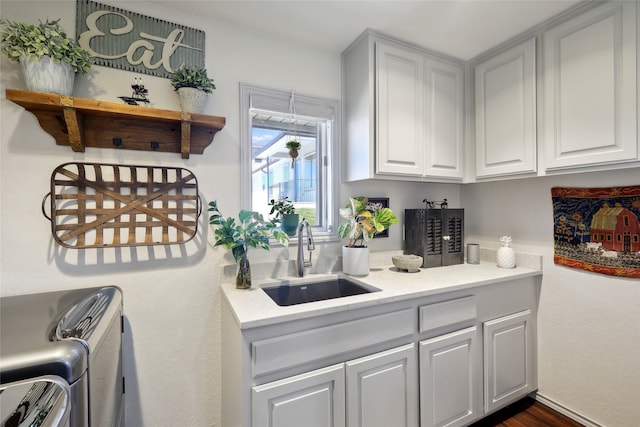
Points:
(355, 261)
(192, 100)
(44, 75)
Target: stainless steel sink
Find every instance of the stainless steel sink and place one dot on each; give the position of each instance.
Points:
(292, 294)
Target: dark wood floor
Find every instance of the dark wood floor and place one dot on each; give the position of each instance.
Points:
(527, 413)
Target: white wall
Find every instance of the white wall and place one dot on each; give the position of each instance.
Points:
(589, 324)
(171, 294)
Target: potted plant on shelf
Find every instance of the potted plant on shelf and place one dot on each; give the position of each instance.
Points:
(48, 57)
(192, 85)
(363, 221)
(250, 231)
(285, 214)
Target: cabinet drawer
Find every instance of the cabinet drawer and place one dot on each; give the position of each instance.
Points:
(460, 312)
(274, 354)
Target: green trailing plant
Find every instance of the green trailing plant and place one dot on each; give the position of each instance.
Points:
(192, 77)
(251, 230)
(20, 40)
(364, 220)
(281, 207)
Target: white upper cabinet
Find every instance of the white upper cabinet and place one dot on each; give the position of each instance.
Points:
(505, 112)
(444, 119)
(404, 112)
(561, 97)
(400, 90)
(589, 90)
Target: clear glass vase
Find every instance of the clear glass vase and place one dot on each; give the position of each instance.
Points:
(243, 279)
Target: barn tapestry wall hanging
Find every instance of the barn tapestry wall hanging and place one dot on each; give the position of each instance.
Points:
(598, 229)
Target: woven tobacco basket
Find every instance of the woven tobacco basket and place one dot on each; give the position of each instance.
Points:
(108, 205)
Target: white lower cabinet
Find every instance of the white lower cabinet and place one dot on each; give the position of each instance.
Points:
(509, 359)
(409, 363)
(449, 379)
(381, 390)
(313, 399)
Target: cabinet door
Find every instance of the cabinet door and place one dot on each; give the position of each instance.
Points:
(382, 389)
(505, 114)
(400, 110)
(313, 399)
(509, 359)
(590, 88)
(449, 382)
(452, 236)
(444, 114)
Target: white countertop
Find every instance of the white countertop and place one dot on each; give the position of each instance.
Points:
(253, 307)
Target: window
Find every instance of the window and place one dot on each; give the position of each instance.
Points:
(271, 118)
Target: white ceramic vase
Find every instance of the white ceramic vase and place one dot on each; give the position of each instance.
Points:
(44, 75)
(355, 261)
(192, 100)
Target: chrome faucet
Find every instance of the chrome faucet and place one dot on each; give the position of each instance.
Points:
(304, 225)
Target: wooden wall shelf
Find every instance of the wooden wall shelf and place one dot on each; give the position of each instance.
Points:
(82, 123)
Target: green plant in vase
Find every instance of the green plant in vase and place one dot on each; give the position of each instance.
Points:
(285, 214)
(19, 40)
(192, 85)
(363, 221)
(48, 57)
(251, 230)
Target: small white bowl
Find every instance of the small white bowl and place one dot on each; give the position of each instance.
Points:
(411, 263)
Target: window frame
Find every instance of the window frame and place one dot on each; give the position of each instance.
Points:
(305, 106)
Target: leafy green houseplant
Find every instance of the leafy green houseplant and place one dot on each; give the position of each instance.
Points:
(363, 221)
(44, 45)
(281, 207)
(251, 230)
(285, 214)
(192, 85)
(20, 40)
(192, 77)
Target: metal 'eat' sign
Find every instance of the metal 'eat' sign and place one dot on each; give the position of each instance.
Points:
(130, 41)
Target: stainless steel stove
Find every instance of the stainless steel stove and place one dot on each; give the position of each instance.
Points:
(75, 336)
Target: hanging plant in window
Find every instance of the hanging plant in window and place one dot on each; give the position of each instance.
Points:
(294, 144)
